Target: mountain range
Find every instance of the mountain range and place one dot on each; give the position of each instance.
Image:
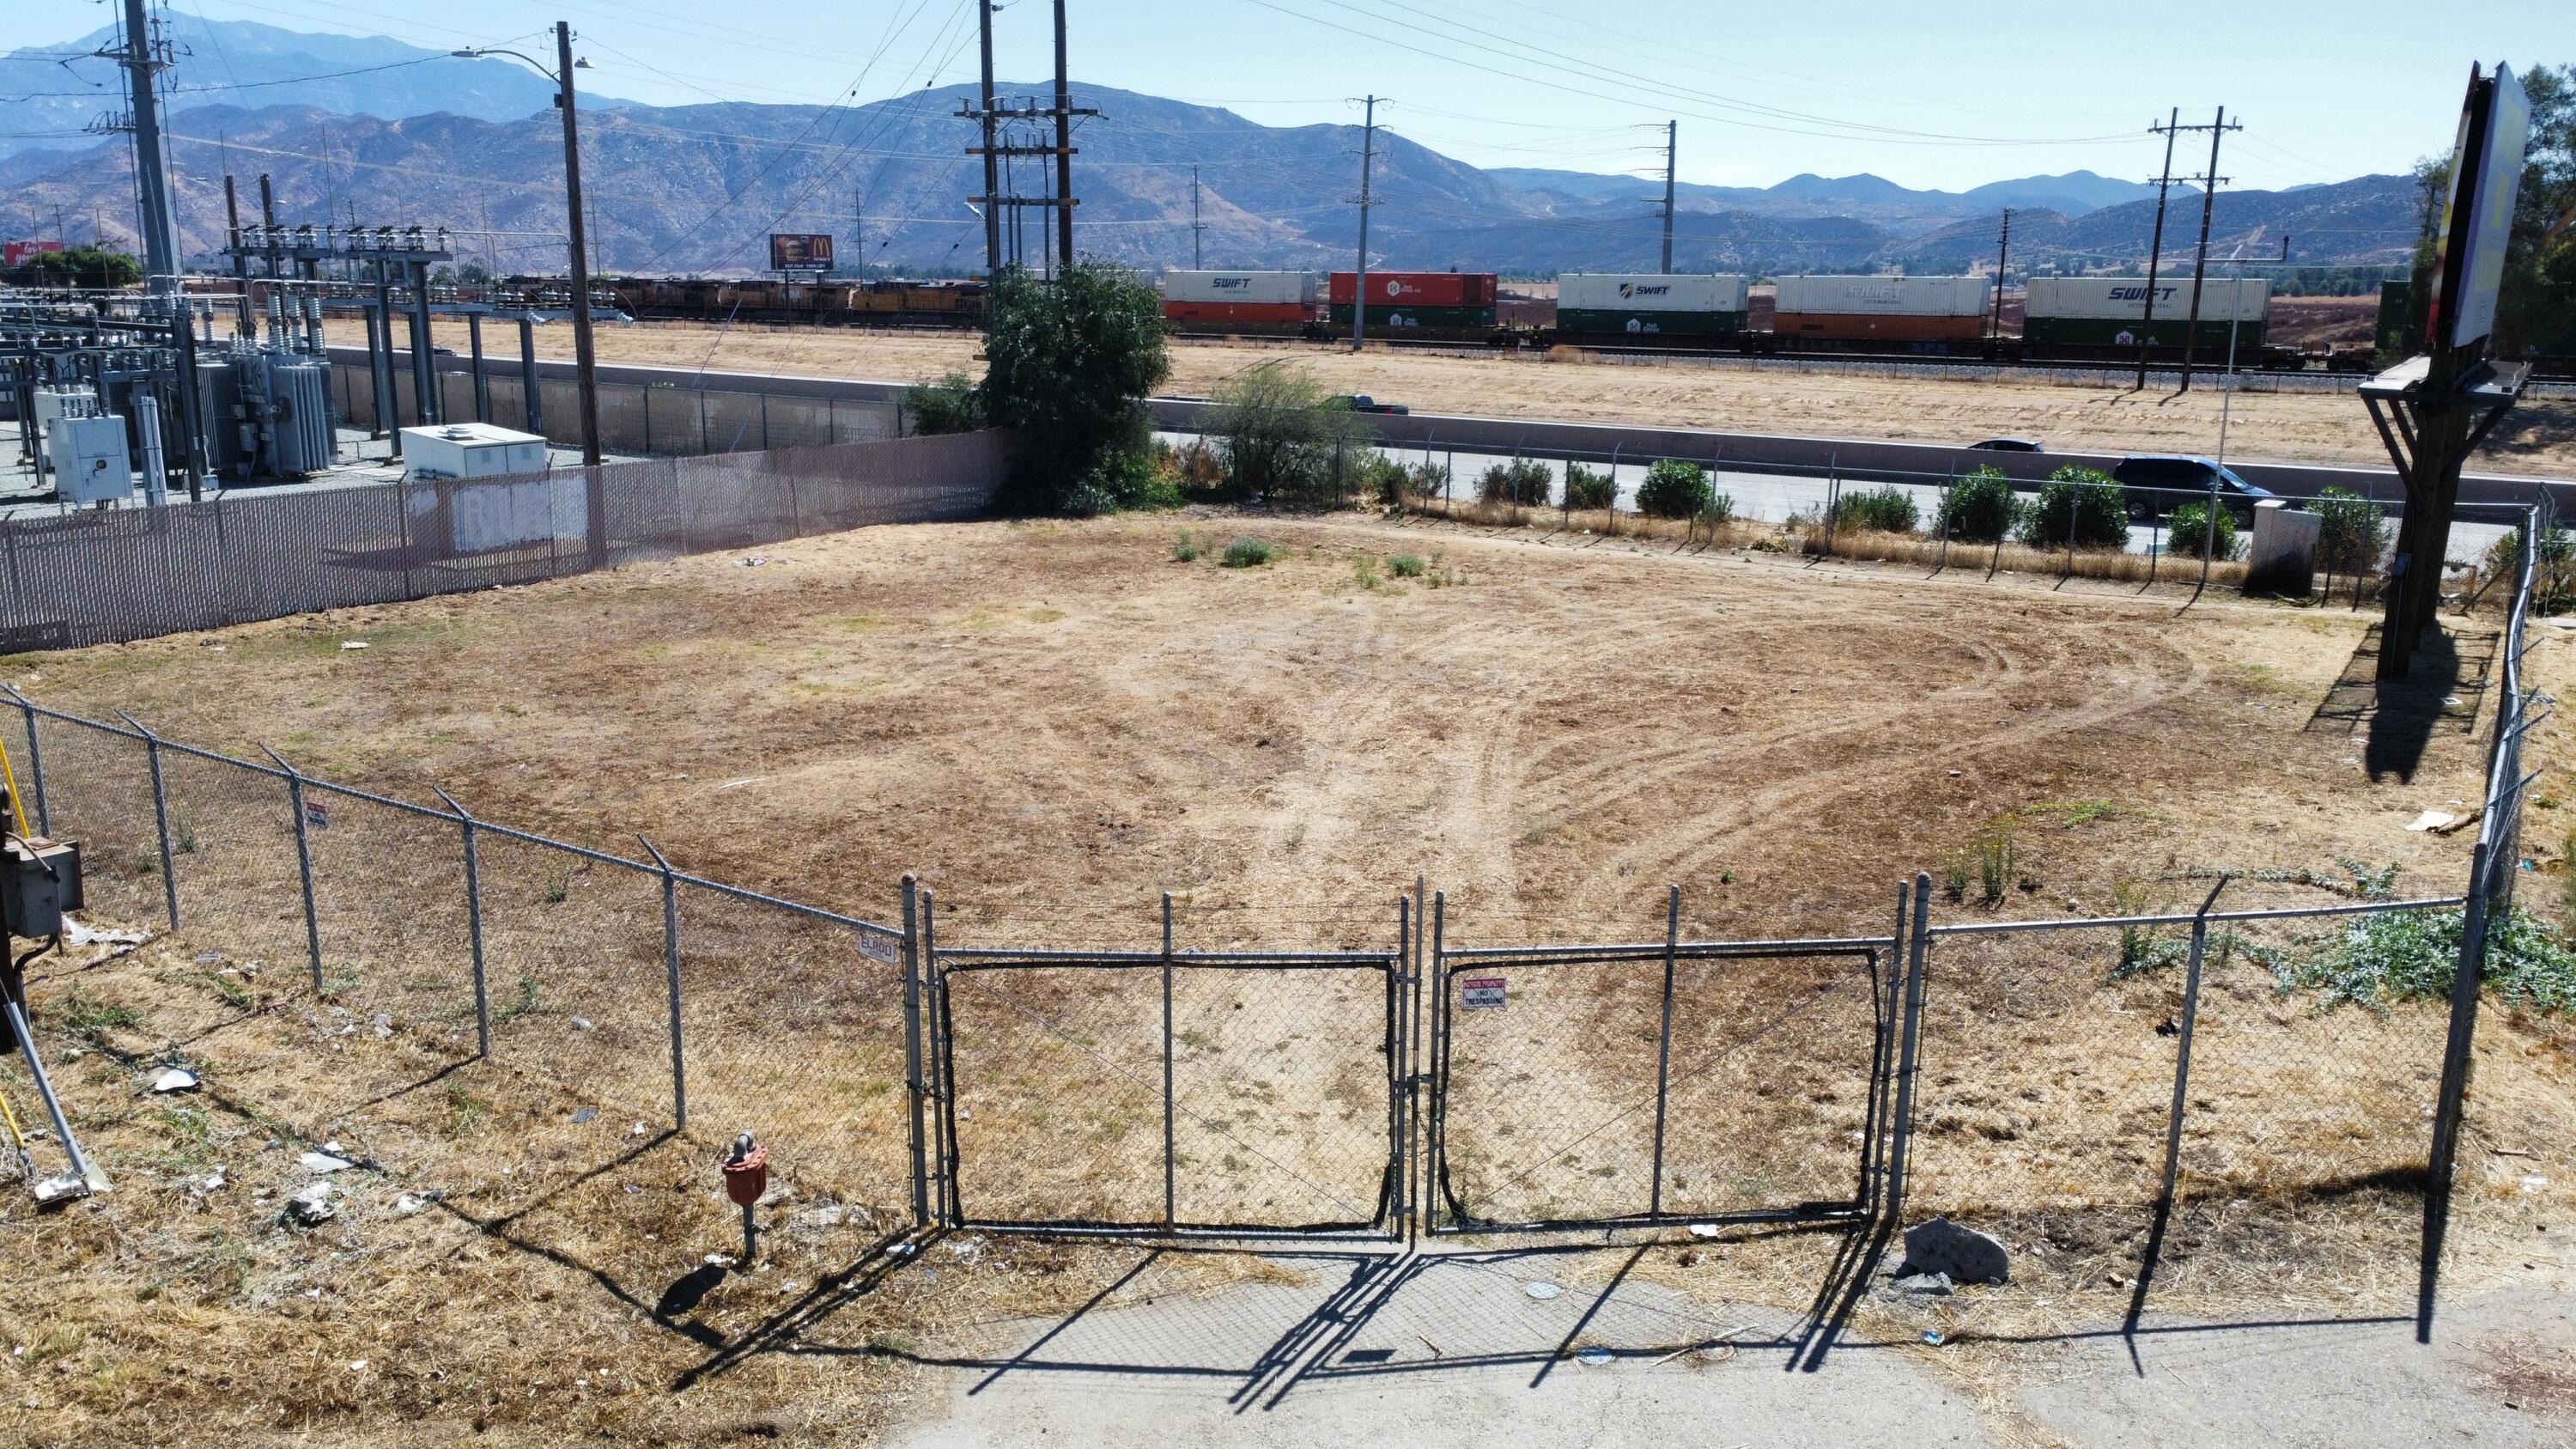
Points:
(698, 188)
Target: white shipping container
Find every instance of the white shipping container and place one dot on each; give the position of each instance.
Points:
(1886, 296)
(2124, 298)
(1276, 289)
(1649, 292)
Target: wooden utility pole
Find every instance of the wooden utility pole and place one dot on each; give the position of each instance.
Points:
(1063, 152)
(1359, 276)
(585, 361)
(2210, 181)
(2156, 243)
(1672, 130)
(2003, 253)
(1198, 228)
(992, 160)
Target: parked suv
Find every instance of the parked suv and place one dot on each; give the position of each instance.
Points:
(2156, 483)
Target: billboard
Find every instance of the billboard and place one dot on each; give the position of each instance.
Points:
(2477, 217)
(19, 253)
(800, 251)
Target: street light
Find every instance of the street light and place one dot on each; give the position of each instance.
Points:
(585, 362)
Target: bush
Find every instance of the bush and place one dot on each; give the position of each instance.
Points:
(1202, 472)
(1281, 439)
(2415, 955)
(2089, 504)
(2183, 532)
(1719, 511)
(1068, 366)
(946, 406)
(2551, 583)
(1589, 487)
(1890, 510)
(1397, 484)
(1405, 565)
(1247, 552)
(1186, 549)
(1148, 479)
(1979, 508)
(2351, 531)
(1675, 488)
(1523, 481)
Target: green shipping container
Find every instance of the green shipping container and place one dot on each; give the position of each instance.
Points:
(2120, 332)
(1649, 324)
(1398, 319)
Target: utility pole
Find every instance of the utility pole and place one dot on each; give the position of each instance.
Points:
(585, 362)
(859, 227)
(2003, 253)
(992, 161)
(1359, 277)
(1198, 228)
(2156, 244)
(1063, 153)
(143, 60)
(2210, 182)
(1672, 131)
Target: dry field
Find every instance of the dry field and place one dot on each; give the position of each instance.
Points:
(1054, 722)
(2539, 438)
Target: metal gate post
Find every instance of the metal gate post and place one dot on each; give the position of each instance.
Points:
(303, 865)
(912, 1046)
(1399, 1069)
(942, 1084)
(35, 761)
(1664, 1045)
(474, 924)
(1884, 1008)
(1169, 1176)
(1434, 1160)
(160, 817)
(671, 970)
(2182, 1043)
(1903, 1137)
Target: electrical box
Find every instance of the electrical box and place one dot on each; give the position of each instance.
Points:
(40, 881)
(471, 450)
(90, 460)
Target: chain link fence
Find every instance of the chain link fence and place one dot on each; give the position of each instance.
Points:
(659, 419)
(134, 573)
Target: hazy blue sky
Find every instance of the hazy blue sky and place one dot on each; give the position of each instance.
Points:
(1928, 95)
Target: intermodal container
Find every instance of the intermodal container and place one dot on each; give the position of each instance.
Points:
(1649, 304)
(1275, 289)
(1410, 290)
(1882, 309)
(2110, 311)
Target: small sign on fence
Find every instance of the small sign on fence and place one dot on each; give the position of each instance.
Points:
(1480, 991)
(317, 814)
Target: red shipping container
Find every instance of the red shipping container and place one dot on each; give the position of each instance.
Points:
(1417, 289)
(1237, 312)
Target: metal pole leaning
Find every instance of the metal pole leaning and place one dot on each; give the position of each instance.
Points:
(912, 1047)
(303, 865)
(1902, 1138)
(1664, 1045)
(474, 925)
(1170, 1177)
(2182, 1044)
(671, 970)
(35, 761)
(2449, 1105)
(160, 816)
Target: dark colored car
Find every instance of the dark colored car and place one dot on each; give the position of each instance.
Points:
(2158, 483)
(1363, 403)
(2007, 445)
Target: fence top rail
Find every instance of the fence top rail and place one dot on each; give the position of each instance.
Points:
(315, 782)
(2285, 913)
(1685, 950)
(980, 958)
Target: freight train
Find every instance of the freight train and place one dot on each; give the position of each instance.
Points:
(876, 303)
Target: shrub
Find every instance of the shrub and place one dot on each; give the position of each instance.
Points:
(1202, 471)
(1281, 439)
(1186, 549)
(1068, 366)
(1890, 509)
(2183, 532)
(1589, 487)
(1978, 508)
(1719, 510)
(1405, 565)
(2351, 531)
(1522, 480)
(1675, 488)
(2553, 582)
(1397, 484)
(946, 406)
(1247, 552)
(2403, 955)
(2088, 505)
(1994, 856)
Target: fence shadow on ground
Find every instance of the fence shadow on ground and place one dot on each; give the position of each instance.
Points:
(2446, 683)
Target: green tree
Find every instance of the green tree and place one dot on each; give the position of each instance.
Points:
(1282, 438)
(1068, 366)
(2536, 300)
(89, 266)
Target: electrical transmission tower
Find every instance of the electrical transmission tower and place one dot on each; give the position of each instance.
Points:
(989, 113)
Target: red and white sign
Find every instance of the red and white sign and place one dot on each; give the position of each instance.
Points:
(17, 253)
(1480, 991)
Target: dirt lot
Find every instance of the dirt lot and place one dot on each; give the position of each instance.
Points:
(2323, 321)
(2540, 437)
(1053, 723)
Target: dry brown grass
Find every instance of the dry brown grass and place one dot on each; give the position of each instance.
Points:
(1053, 721)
